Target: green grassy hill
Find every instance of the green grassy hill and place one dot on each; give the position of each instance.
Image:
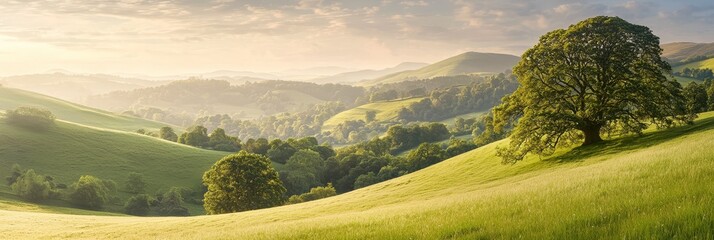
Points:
(12, 98)
(707, 63)
(466, 63)
(639, 187)
(68, 151)
(386, 110)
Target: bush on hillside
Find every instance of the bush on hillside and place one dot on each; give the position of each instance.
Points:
(314, 194)
(32, 187)
(89, 192)
(171, 203)
(30, 117)
(137, 205)
(15, 173)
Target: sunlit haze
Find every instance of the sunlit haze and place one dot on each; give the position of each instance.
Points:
(177, 37)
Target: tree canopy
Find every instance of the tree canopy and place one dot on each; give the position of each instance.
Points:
(242, 182)
(601, 75)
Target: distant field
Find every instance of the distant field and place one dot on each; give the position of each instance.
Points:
(638, 187)
(707, 63)
(386, 110)
(12, 98)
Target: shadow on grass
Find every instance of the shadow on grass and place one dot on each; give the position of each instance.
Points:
(633, 142)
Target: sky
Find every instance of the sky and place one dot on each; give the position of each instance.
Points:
(158, 37)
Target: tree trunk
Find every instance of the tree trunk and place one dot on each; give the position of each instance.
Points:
(592, 135)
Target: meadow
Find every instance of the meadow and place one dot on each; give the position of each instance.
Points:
(654, 186)
(12, 98)
(386, 111)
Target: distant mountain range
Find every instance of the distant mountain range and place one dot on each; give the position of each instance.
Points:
(356, 76)
(466, 63)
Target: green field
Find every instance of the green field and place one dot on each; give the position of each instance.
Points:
(386, 111)
(68, 151)
(707, 63)
(12, 98)
(655, 186)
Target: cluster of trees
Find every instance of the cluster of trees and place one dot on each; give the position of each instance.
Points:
(696, 73)
(247, 180)
(197, 136)
(90, 192)
(416, 88)
(283, 126)
(699, 97)
(30, 117)
(457, 100)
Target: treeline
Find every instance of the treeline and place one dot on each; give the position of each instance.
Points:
(285, 125)
(696, 73)
(307, 163)
(416, 88)
(453, 101)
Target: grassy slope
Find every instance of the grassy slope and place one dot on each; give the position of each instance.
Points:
(13, 98)
(633, 187)
(68, 151)
(386, 110)
(470, 62)
(707, 63)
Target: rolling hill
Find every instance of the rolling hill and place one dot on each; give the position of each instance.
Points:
(466, 63)
(12, 98)
(386, 110)
(69, 150)
(707, 63)
(638, 187)
(679, 51)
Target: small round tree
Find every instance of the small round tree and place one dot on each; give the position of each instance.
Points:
(601, 75)
(89, 192)
(241, 182)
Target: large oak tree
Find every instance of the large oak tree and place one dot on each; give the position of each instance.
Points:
(600, 76)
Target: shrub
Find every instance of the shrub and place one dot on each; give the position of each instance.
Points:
(314, 194)
(30, 117)
(172, 203)
(16, 172)
(89, 192)
(31, 186)
(137, 205)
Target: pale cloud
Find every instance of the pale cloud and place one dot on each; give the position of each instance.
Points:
(161, 37)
